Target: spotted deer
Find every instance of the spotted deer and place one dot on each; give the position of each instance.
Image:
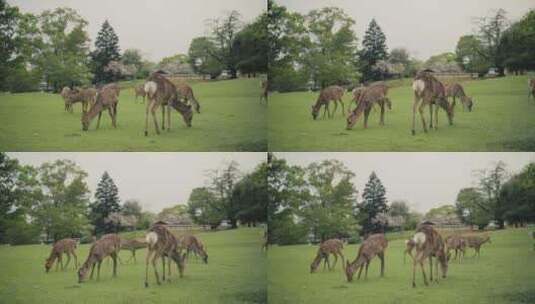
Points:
(328, 94)
(328, 247)
(475, 241)
(86, 97)
(186, 93)
(370, 96)
(374, 245)
(428, 244)
(192, 244)
(456, 90)
(458, 244)
(107, 245)
(67, 246)
(107, 99)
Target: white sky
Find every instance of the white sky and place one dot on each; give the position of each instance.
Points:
(424, 180)
(424, 27)
(159, 28)
(157, 180)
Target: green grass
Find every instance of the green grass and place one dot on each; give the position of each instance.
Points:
(231, 119)
(504, 273)
(236, 273)
(502, 120)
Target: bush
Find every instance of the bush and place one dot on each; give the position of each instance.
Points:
(286, 232)
(22, 233)
(286, 79)
(20, 80)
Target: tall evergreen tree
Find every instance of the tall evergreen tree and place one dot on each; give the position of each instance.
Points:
(373, 49)
(373, 205)
(107, 202)
(107, 50)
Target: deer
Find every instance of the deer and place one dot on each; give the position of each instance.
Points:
(107, 99)
(162, 92)
(456, 243)
(186, 92)
(107, 245)
(85, 96)
(67, 246)
(140, 91)
(428, 91)
(368, 97)
(374, 245)
(331, 246)
(332, 93)
(428, 244)
(162, 243)
(265, 91)
(193, 244)
(476, 242)
(132, 246)
(456, 90)
(531, 88)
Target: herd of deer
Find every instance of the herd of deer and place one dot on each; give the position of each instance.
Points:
(160, 241)
(159, 90)
(427, 242)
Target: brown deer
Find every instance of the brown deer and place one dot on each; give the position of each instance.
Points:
(162, 92)
(331, 93)
(357, 91)
(186, 92)
(374, 245)
(428, 244)
(409, 246)
(265, 91)
(107, 245)
(331, 246)
(85, 96)
(474, 241)
(162, 243)
(132, 246)
(428, 91)
(374, 94)
(107, 99)
(193, 244)
(531, 88)
(140, 91)
(67, 246)
(456, 90)
(456, 243)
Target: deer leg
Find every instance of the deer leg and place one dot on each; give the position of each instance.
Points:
(154, 259)
(98, 120)
(366, 115)
(361, 267)
(414, 273)
(168, 118)
(92, 271)
(414, 107)
(335, 260)
(366, 273)
(75, 260)
(98, 270)
(68, 259)
(343, 259)
(147, 258)
(431, 268)
(436, 270)
(134, 256)
(163, 267)
(114, 257)
(430, 116)
(110, 112)
(343, 107)
(436, 116)
(335, 107)
(421, 111)
(169, 269)
(153, 109)
(423, 272)
(163, 117)
(147, 109)
(60, 261)
(382, 258)
(382, 119)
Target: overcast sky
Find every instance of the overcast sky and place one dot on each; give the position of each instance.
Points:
(425, 180)
(157, 180)
(424, 27)
(159, 28)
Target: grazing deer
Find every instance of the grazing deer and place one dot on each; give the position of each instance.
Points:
(66, 246)
(374, 245)
(186, 92)
(456, 243)
(162, 243)
(357, 91)
(85, 96)
(456, 90)
(331, 246)
(192, 244)
(475, 242)
(107, 99)
(108, 245)
(162, 92)
(265, 91)
(132, 246)
(140, 91)
(331, 93)
(428, 244)
(374, 94)
(428, 91)
(531, 88)
(409, 246)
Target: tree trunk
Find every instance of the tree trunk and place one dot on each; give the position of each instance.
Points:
(233, 223)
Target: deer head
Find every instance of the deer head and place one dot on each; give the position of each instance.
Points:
(315, 112)
(82, 273)
(469, 103)
(314, 265)
(349, 270)
(352, 118)
(48, 264)
(85, 122)
(184, 109)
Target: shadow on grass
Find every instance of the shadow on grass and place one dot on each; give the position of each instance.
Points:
(525, 296)
(258, 296)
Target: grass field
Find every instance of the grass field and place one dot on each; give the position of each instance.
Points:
(236, 273)
(231, 119)
(502, 120)
(504, 273)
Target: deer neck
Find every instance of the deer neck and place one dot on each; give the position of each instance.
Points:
(94, 111)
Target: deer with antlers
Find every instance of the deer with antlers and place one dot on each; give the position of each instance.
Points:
(456, 243)
(162, 92)
(456, 90)
(374, 245)
(428, 244)
(107, 245)
(475, 241)
(428, 91)
(132, 246)
(367, 98)
(332, 93)
(107, 99)
(193, 244)
(140, 91)
(331, 246)
(64, 246)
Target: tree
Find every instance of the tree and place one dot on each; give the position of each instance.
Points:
(470, 208)
(176, 64)
(133, 59)
(204, 208)
(445, 62)
(518, 197)
(200, 58)
(106, 202)
(250, 194)
(251, 46)
(106, 50)
(468, 56)
(490, 30)
(224, 31)
(490, 184)
(373, 205)
(373, 49)
(222, 183)
(132, 207)
(517, 45)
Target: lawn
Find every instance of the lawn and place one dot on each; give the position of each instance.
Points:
(504, 273)
(236, 273)
(502, 120)
(231, 119)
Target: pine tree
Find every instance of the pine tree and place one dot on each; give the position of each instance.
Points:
(106, 50)
(372, 206)
(374, 49)
(107, 202)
